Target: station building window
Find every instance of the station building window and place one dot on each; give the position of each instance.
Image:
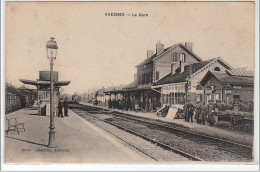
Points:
(143, 78)
(139, 79)
(216, 97)
(216, 69)
(173, 95)
(208, 98)
(157, 75)
(182, 57)
(199, 97)
(147, 78)
(174, 57)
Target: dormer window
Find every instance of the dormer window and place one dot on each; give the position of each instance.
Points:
(182, 57)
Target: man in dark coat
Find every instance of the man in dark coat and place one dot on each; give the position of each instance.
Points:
(197, 112)
(109, 103)
(190, 110)
(211, 113)
(123, 105)
(60, 106)
(65, 105)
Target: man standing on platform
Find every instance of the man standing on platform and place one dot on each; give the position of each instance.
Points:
(65, 105)
(190, 110)
(109, 103)
(60, 114)
(211, 113)
(203, 110)
(197, 112)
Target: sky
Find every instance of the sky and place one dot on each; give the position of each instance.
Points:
(97, 50)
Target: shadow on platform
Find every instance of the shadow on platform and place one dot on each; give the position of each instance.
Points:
(30, 108)
(30, 142)
(37, 114)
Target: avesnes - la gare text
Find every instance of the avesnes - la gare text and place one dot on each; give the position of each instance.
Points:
(127, 14)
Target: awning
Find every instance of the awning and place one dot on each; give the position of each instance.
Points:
(36, 83)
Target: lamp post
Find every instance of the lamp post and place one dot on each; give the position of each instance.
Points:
(51, 54)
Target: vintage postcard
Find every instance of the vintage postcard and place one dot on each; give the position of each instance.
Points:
(130, 82)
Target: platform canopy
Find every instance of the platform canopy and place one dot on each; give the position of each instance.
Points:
(39, 82)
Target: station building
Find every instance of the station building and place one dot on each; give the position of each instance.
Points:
(155, 67)
(172, 76)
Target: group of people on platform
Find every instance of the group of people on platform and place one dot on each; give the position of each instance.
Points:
(202, 112)
(128, 104)
(123, 104)
(63, 104)
(205, 112)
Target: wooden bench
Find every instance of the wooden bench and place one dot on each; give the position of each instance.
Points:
(14, 126)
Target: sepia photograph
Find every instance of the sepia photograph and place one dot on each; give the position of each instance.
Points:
(129, 83)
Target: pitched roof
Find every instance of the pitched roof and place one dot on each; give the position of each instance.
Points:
(226, 78)
(131, 85)
(181, 77)
(196, 66)
(148, 60)
(175, 78)
(114, 88)
(23, 88)
(239, 72)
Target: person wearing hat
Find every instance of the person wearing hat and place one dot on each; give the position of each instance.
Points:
(211, 113)
(198, 112)
(189, 109)
(203, 110)
(60, 106)
(65, 105)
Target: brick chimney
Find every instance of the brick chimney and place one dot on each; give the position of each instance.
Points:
(159, 48)
(149, 53)
(188, 45)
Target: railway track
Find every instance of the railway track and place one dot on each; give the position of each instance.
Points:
(235, 148)
(118, 118)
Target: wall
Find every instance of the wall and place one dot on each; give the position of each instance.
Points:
(246, 92)
(196, 77)
(163, 63)
(144, 69)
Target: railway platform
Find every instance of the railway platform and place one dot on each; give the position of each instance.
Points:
(235, 136)
(77, 141)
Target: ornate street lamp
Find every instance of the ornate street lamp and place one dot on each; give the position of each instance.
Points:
(51, 54)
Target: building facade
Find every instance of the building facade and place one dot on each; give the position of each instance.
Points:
(180, 84)
(228, 87)
(155, 67)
